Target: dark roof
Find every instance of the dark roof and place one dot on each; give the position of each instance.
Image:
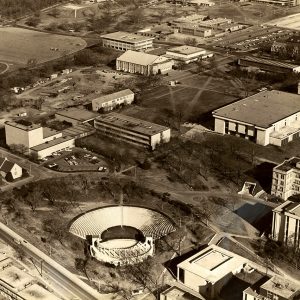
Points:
(289, 164)
(262, 109)
(6, 165)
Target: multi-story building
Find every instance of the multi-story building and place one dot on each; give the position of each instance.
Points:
(268, 117)
(109, 102)
(286, 223)
(132, 130)
(126, 41)
(187, 54)
(143, 63)
(37, 140)
(193, 29)
(286, 178)
(274, 66)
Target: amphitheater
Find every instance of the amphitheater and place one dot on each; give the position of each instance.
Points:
(121, 235)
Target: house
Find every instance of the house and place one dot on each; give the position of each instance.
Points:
(126, 41)
(10, 169)
(187, 54)
(76, 116)
(286, 178)
(143, 63)
(268, 117)
(286, 223)
(37, 140)
(256, 63)
(132, 130)
(109, 102)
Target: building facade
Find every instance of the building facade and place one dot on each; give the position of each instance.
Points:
(143, 63)
(286, 223)
(286, 178)
(268, 117)
(126, 41)
(132, 130)
(191, 29)
(109, 102)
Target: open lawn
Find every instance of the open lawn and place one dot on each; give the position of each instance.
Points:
(18, 46)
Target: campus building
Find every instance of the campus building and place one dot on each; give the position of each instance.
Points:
(76, 116)
(132, 130)
(207, 3)
(207, 271)
(289, 3)
(37, 140)
(193, 29)
(273, 288)
(109, 102)
(126, 41)
(286, 223)
(268, 117)
(255, 63)
(286, 178)
(143, 63)
(187, 54)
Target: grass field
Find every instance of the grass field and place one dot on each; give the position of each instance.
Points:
(191, 101)
(20, 45)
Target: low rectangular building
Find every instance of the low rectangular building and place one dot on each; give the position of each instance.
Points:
(268, 117)
(126, 41)
(132, 130)
(187, 54)
(109, 102)
(143, 63)
(79, 131)
(47, 148)
(76, 116)
(207, 271)
(193, 29)
(286, 178)
(268, 65)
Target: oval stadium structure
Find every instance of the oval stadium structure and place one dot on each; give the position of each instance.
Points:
(121, 235)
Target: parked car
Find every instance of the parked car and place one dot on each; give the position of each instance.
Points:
(52, 165)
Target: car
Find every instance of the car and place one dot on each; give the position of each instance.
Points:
(70, 162)
(52, 165)
(68, 149)
(75, 163)
(73, 157)
(101, 169)
(66, 158)
(44, 159)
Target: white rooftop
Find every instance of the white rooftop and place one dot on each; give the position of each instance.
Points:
(213, 263)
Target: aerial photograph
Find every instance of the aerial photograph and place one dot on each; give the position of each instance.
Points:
(150, 149)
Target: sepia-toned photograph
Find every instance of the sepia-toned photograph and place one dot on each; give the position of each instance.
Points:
(150, 149)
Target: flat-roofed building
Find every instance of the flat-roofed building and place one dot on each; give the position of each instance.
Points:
(286, 178)
(76, 116)
(143, 63)
(37, 140)
(126, 41)
(187, 54)
(132, 130)
(194, 18)
(275, 288)
(110, 101)
(289, 3)
(193, 29)
(207, 271)
(257, 63)
(79, 131)
(28, 134)
(45, 149)
(268, 117)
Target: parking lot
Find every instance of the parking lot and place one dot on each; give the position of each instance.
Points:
(250, 38)
(76, 160)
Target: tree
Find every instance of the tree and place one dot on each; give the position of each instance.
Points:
(34, 197)
(56, 228)
(33, 21)
(190, 41)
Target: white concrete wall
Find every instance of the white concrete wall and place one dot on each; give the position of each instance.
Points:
(29, 138)
(111, 103)
(219, 125)
(52, 137)
(16, 171)
(50, 150)
(262, 137)
(194, 282)
(163, 137)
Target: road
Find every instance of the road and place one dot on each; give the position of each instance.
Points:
(71, 287)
